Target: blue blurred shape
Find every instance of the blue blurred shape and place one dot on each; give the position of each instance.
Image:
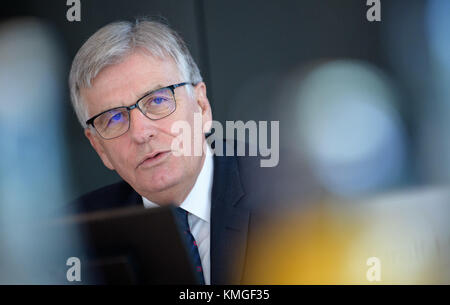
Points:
(350, 129)
(33, 180)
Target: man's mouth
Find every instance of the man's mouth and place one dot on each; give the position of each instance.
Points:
(154, 158)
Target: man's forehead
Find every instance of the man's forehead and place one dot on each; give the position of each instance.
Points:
(125, 82)
(135, 68)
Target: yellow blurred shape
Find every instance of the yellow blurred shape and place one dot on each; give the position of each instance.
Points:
(337, 243)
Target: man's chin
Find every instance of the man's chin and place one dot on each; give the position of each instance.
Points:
(158, 187)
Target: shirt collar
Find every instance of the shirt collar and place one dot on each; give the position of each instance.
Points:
(198, 201)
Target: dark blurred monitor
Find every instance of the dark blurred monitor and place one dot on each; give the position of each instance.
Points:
(122, 246)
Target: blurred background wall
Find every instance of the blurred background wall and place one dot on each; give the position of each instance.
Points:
(363, 106)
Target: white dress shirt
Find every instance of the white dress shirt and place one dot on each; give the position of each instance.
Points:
(198, 204)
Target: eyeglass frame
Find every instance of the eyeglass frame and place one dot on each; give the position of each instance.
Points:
(136, 105)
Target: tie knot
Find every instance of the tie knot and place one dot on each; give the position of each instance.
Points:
(182, 218)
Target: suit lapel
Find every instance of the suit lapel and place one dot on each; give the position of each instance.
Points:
(134, 199)
(229, 222)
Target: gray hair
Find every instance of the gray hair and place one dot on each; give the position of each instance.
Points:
(115, 41)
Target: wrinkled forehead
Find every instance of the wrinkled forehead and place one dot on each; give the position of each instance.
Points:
(123, 83)
(138, 66)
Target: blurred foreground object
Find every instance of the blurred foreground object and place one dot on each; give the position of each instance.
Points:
(32, 169)
(404, 237)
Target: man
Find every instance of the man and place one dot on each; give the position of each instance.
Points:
(129, 83)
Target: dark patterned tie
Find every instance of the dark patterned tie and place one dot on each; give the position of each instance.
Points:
(191, 244)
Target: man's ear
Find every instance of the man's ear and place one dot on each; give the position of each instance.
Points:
(95, 142)
(203, 102)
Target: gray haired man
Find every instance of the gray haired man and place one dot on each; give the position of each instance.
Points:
(129, 83)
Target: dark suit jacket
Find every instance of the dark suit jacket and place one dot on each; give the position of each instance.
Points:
(234, 196)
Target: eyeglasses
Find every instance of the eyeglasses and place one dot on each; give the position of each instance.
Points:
(155, 105)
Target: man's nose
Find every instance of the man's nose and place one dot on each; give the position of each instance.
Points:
(142, 129)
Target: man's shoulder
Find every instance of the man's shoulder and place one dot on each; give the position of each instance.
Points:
(246, 170)
(266, 182)
(115, 195)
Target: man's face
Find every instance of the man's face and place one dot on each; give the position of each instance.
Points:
(165, 177)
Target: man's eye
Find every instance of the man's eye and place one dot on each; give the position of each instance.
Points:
(158, 100)
(115, 118)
